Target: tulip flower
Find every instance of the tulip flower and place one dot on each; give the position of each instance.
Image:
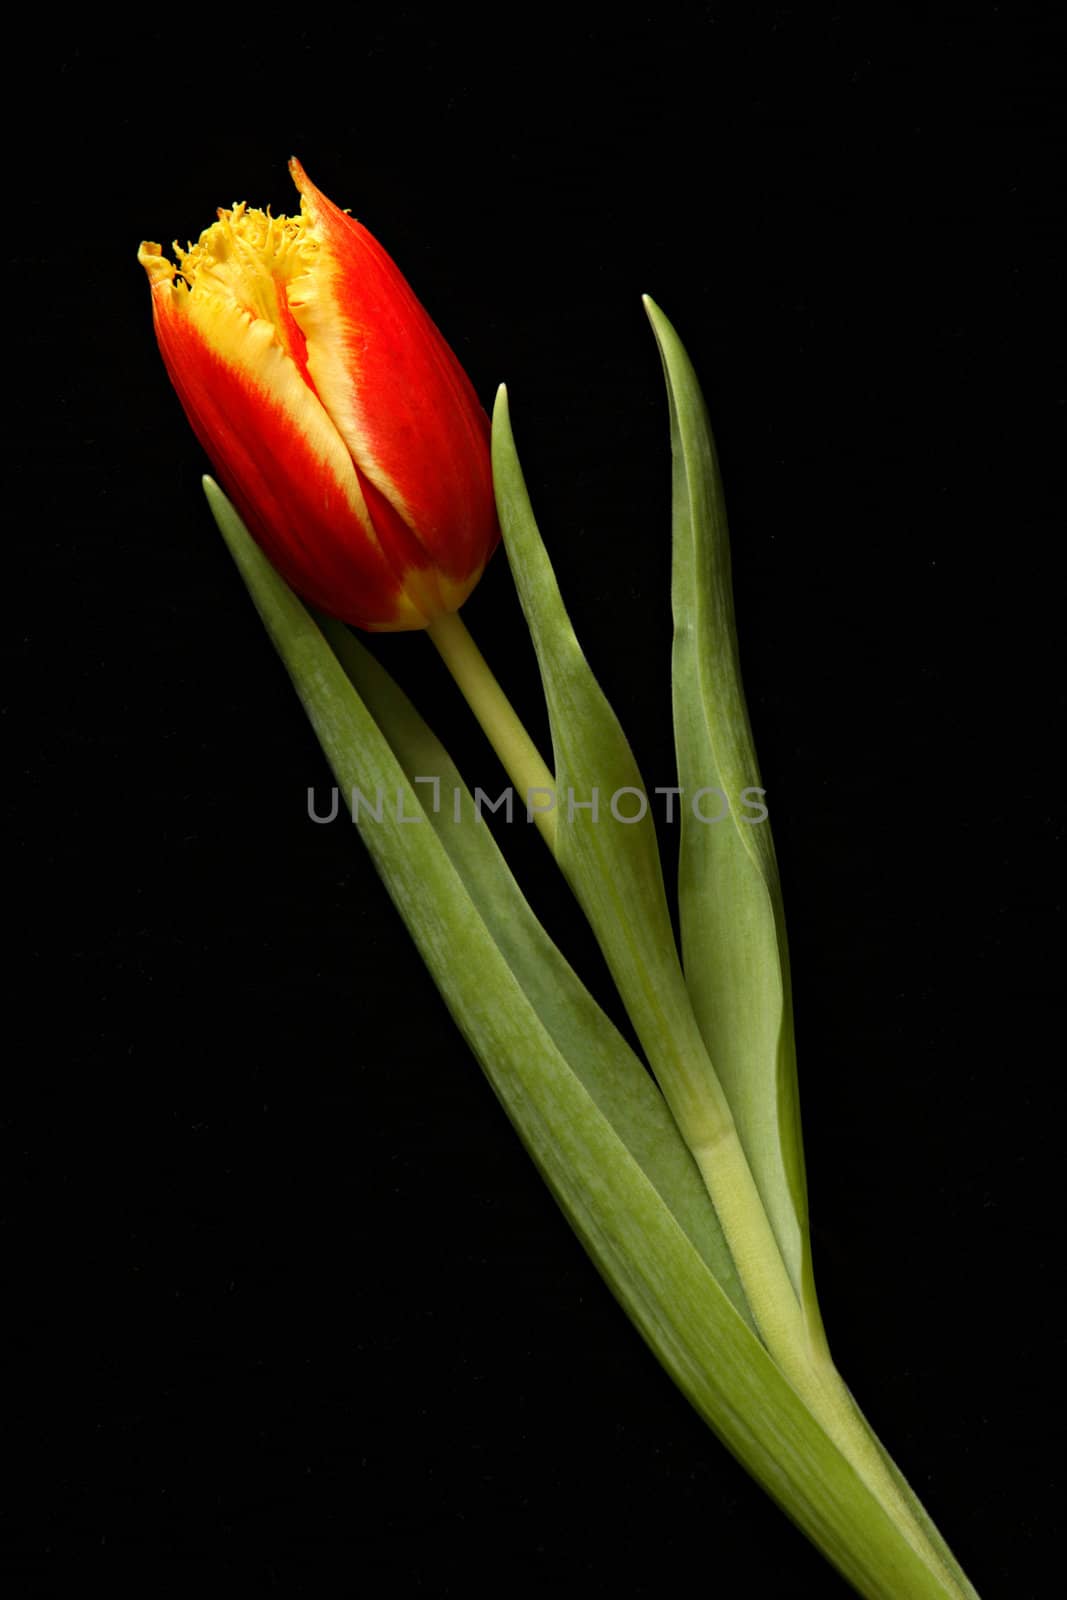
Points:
(355, 449)
(337, 417)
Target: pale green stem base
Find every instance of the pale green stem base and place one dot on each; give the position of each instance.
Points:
(518, 753)
(802, 1358)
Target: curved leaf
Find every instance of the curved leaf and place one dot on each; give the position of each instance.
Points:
(638, 1245)
(730, 902)
(593, 1047)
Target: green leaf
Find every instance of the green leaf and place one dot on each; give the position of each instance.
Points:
(593, 1047)
(730, 902)
(643, 1252)
(612, 865)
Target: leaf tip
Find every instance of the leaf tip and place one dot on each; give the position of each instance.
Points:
(501, 411)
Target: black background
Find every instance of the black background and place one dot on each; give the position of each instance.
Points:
(288, 1304)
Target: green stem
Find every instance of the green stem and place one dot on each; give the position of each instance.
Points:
(802, 1358)
(494, 711)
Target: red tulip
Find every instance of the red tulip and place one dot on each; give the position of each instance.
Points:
(338, 420)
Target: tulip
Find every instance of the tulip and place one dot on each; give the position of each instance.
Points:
(337, 417)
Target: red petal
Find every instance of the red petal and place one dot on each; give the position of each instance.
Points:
(394, 390)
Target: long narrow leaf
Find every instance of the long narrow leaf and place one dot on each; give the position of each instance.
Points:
(732, 921)
(592, 1045)
(730, 903)
(652, 1267)
(612, 864)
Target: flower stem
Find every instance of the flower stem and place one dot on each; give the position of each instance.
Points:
(518, 753)
(799, 1351)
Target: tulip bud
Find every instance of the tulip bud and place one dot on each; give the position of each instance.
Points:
(336, 416)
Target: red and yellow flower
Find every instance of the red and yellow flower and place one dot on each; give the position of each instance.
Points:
(338, 420)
